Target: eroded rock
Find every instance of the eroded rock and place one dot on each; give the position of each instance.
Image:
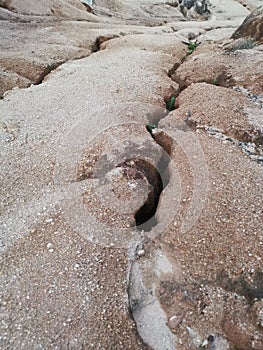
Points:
(252, 27)
(72, 179)
(203, 105)
(239, 64)
(9, 80)
(203, 300)
(62, 8)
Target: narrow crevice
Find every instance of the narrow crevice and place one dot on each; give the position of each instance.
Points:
(172, 75)
(100, 40)
(251, 145)
(159, 178)
(96, 46)
(6, 5)
(145, 214)
(47, 71)
(145, 218)
(173, 69)
(51, 67)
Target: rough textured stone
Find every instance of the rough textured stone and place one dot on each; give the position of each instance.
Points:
(75, 274)
(204, 105)
(62, 8)
(252, 27)
(239, 66)
(9, 80)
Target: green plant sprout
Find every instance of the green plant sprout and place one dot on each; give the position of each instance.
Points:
(150, 128)
(192, 45)
(170, 104)
(214, 82)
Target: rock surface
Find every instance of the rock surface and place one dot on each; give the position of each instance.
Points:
(131, 175)
(72, 9)
(252, 27)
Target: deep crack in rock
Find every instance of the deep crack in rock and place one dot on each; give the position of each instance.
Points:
(159, 178)
(100, 40)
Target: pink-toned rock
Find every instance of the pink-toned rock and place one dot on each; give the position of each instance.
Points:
(207, 105)
(212, 65)
(41, 47)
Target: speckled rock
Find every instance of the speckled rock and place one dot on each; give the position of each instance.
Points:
(237, 64)
(252, 27)
(62, 8)
(75, 272)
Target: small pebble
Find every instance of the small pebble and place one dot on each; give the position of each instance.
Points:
(174, 321)
(205, 343)
(50, 247)
(141, 252)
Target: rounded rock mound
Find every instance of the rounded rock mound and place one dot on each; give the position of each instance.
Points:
(252, 27)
